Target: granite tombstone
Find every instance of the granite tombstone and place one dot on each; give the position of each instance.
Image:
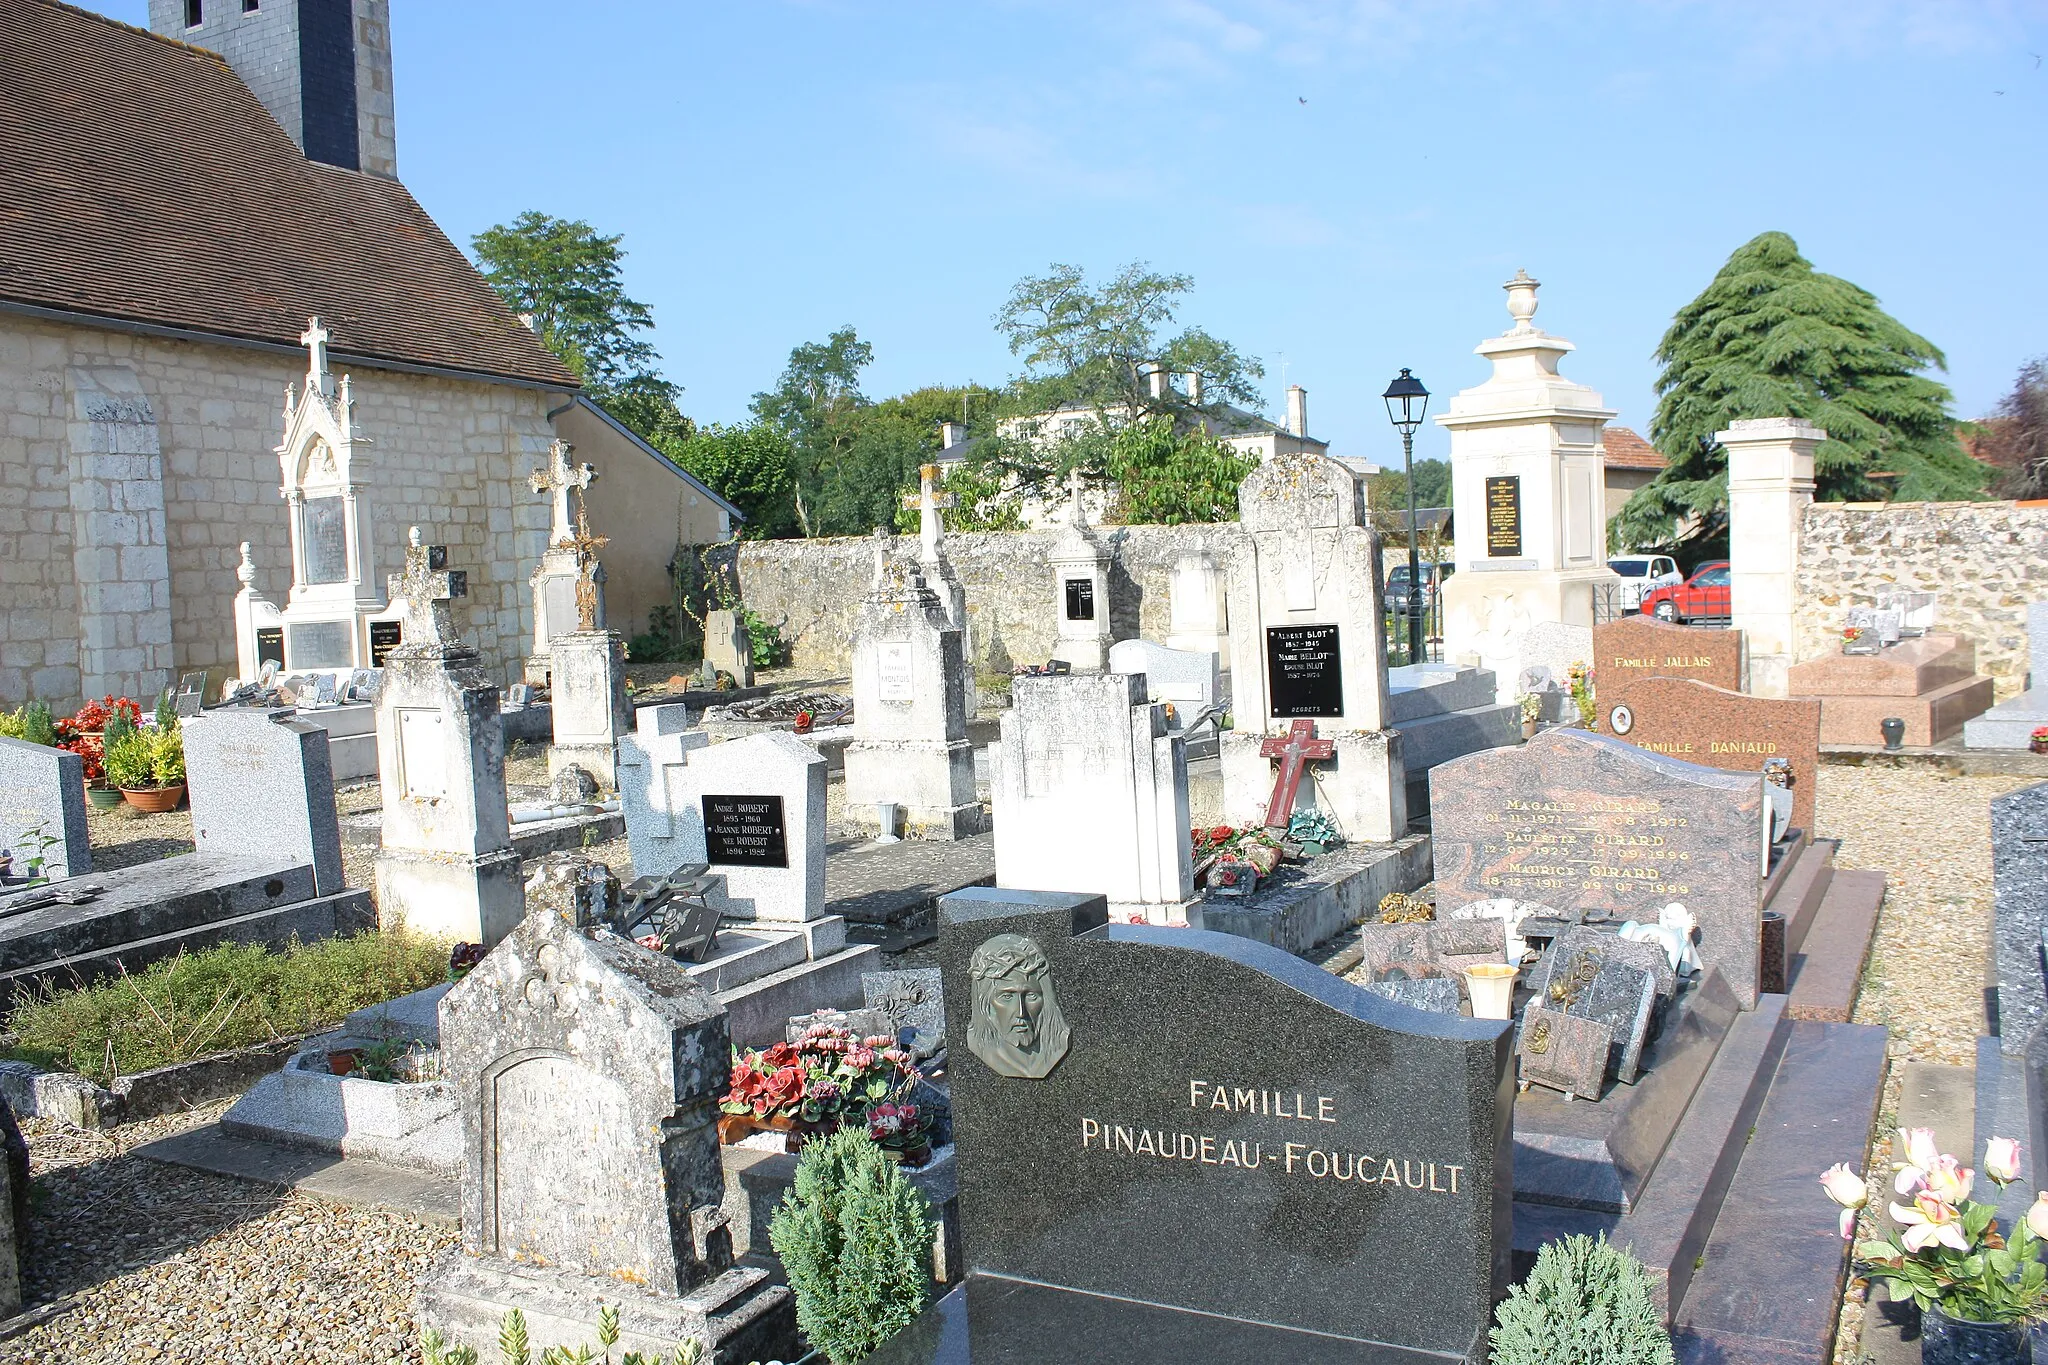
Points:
(2019, 876)
(1596, 823)
(1719, 728)
(1209, 1093)
(1636, 647)
(42, 809)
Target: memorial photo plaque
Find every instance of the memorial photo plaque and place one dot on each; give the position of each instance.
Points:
(1303, 672)
(385, 636)
(745, 831)
(1504, 515)
(320, 644)
(1564, 1052)
(1080, 599)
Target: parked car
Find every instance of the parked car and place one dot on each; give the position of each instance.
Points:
(1642, 575)
(1433, 576)
(1703, 596)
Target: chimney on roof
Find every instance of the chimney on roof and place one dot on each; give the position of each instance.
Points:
(1297, 410)
(1158, 380)
(951, 434)
(1195, 387)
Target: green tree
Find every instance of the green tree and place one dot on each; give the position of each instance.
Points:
(1165, 477)
(2014, 439)
(818, 389)
(1388, 489)
(565, 278)
(750, 467)
(1773, 337)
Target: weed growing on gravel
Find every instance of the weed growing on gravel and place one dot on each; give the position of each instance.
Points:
(227, 997)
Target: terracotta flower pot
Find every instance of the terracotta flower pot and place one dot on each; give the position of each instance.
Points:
(342, 1061)
(154, 800)
(1528, 729)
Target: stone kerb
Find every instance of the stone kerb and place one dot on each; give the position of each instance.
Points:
(260, 784)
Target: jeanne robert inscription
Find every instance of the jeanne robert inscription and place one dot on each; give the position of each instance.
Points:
(1316, 1162)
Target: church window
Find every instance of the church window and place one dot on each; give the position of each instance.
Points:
(194, 17)
(251, 6)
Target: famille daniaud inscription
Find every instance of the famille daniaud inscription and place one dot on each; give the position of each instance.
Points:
(1281, 1153)
(745, 831)
(1621, 845)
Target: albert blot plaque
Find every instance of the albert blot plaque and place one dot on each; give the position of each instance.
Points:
(1303, 671)
(745, 831)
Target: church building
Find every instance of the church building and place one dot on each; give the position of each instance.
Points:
(175, 209)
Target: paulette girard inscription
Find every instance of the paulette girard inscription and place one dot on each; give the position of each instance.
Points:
(1621, 844)
(1289, 1151)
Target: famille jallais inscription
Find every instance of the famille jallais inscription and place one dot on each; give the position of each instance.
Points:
(745, 831)
(1303, 671)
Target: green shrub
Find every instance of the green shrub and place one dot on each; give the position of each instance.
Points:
(765, 639)
(856, 1240)
(1585, 1302)
(30, 721)
(514, 1349)
(117, 729)
(227, 997)
(167, 756)
(130, 761)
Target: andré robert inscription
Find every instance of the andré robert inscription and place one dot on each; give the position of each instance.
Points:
(1314, 1156)
(1619, 844)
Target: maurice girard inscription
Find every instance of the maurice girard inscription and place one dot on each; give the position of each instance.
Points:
(1303, 1150)
(1592, 844)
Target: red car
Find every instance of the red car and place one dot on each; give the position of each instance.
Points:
(1703, 596)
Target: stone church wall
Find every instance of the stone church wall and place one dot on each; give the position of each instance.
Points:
(813, 588)
(1984, 561)
(132, 467)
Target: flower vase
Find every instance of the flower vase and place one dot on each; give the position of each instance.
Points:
(1529, 728)
(103, 798)
(1960, 1341)
(2037, 744)
(154, 800)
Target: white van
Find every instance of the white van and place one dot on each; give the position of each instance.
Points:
(1643, 574)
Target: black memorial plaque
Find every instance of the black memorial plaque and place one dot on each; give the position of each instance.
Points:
(1303, 671)
(1080, 599)
(385, 636)
(745, 831)
(270, 646)
(1504, 515)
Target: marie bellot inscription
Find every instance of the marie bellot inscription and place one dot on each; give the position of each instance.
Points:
(745, 831)
(1214, 1092)
(1303, 671)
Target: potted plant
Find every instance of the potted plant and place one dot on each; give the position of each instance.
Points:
(1975, 1289)
(1582, 693)
(813, 1085)
(902, 1131)
(149, 768)
(1532, 712)
(2037, 742)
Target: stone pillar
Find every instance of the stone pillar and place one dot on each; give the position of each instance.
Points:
(1770, 482)
(1198, 621)
(254, 614)
(120, 550)
(1527, 479)
(590, 708)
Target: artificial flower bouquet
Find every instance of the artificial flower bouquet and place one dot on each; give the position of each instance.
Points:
(819, 1081)
(1947, 1253)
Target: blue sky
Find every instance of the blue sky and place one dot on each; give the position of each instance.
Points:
(780, 169)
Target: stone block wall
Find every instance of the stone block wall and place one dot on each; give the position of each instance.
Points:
(813, 588)
(449, 455)
(1984, 561)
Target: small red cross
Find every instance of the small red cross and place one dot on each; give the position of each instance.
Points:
(1297, 748)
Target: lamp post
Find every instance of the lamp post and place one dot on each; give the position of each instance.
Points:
(1406, 401)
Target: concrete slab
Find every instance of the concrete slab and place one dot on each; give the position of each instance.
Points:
(343, 1180)
(1307, 904)
(900, 884)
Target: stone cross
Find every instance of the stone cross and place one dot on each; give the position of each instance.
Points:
(1077, 483)
(315, 339)
(881, 542)
(927, 502)
(586, 546)
(556, 480)
(1294, 751)
(424, 590)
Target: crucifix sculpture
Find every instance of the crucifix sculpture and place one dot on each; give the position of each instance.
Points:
(1294, 751)
(588, 570)
(555, 481)
(315, 339)
(424, 590)
(1077, 483)
(927, 502)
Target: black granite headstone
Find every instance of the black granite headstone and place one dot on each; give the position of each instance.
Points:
(745, 831)
(1303, 671)
(1234, 1146)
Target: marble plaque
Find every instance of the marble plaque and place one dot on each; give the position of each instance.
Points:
(1650, 957)
(543, 1207)
(745, 831)
(326, 540)
(1080, 599)
(423, 753)
(1303, 671)
(270, 645)
(385, 636)
(1565, 1052)
(895, 671)
(1593, 984)
(1504, 516)
(1578, 819)
(1719, 728)
(1638, 646)
(320, 644)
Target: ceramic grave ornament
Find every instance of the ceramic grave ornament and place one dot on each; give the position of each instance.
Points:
(1015, 1027)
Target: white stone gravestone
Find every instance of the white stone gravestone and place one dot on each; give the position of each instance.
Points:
(1199, 620)
(1080, 571)
(727, 647)
(1189, 679)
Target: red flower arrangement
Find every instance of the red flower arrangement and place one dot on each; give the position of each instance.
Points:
(81, 732)
(824, 1078)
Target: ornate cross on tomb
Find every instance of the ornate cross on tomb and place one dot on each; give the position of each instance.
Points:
(928, 502)
(586, 547)
(1294, 751)
(315, 339)
(1077, 484)
(555, 481)
(424, 590)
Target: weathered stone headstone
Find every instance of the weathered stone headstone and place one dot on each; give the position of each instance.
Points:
(1589, 821)
(1556, 646)
(1718, 728)
(1189, 680)
(555, 579)
(1080, 570)
(1198, 621)
(262, 784)
(590, 711)
(1124, 1098)
(445, 864)
(42, 808)
(913, 1000)
(727, 648)
(910, 705)
(588, 1071)
(2019, 875)
(1090, 790)
(1637, 646)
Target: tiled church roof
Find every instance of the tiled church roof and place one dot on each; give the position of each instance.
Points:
(141, 181)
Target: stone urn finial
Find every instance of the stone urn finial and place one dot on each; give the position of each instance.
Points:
(246, 570)
(1522, 300)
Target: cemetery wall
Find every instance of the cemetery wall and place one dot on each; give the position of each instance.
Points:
(814, 587)
(1984, 561)
(447, 454)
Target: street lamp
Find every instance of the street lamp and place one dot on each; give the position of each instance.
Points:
(1406, 401)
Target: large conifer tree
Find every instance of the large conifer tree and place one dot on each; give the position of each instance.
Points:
(1773, 337)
